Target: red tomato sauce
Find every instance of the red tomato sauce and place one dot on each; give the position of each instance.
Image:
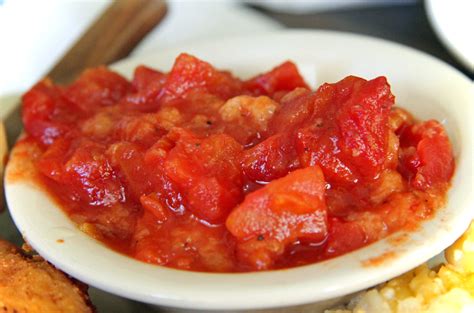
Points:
(198, 170)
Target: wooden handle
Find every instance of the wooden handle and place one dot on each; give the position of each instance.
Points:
(112, 37)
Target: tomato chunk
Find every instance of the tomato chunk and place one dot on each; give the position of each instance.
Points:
(273, 158)
(348, 134)
(427, 156)
(296, 109)
(191, 74)
(97, 87)
(287, 209)
(45, 112)
(149, 86)
(128, 160)
(82, 166)
(344, 237)
(284, 77)
(207, 172)
(183, 243)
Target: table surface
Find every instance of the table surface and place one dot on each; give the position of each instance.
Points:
(405, 24)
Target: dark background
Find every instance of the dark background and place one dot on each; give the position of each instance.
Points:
(407, 24)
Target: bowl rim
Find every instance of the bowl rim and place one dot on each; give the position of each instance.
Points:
(238, 291)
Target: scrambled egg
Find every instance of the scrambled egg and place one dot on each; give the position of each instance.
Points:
(422, 290)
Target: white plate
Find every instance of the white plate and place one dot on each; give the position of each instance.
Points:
(452, 22)
(423, 84)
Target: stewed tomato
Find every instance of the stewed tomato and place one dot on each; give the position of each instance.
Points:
(197, 169)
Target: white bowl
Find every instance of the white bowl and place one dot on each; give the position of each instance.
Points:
(424, 85)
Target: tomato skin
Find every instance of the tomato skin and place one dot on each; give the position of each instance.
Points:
(284, 77)
(191, 74)
(97, 87)
(427, 156)
(276, 215)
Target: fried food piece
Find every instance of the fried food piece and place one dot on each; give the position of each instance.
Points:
(422, 290)
(28, 284)
(3, 154)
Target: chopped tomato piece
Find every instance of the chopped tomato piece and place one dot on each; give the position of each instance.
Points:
(207, 172)
(51, 163)
(92, 176)
(128, 160)
(45, 113)
(427, 156)
(183, 243)
(273, 158)
(97, 87)
(284, 77)
(344, 237)
(191, 74)
(147, 79)
(287, 209)
(296, 109)
(348, 134)
(149, 87)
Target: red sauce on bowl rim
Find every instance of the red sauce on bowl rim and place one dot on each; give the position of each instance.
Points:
(198, 170)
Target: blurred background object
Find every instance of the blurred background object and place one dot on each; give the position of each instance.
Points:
(314, 6)
(452, 22)
(35, 34)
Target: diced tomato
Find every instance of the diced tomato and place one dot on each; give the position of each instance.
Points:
(427, 156)
(128, 160)
(284, 77)
(295, 111)
(191, 74)
(51, 163)
(348, 136)
(97, 87)
(344, 237)
(45, 112)
(147, 79)
(287, 209)
(148, 84)
(183, 243)
(273, 158)
(90, 177)
(208, 173)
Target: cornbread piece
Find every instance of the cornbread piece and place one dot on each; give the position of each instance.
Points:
(449, 289)
(31, 285)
